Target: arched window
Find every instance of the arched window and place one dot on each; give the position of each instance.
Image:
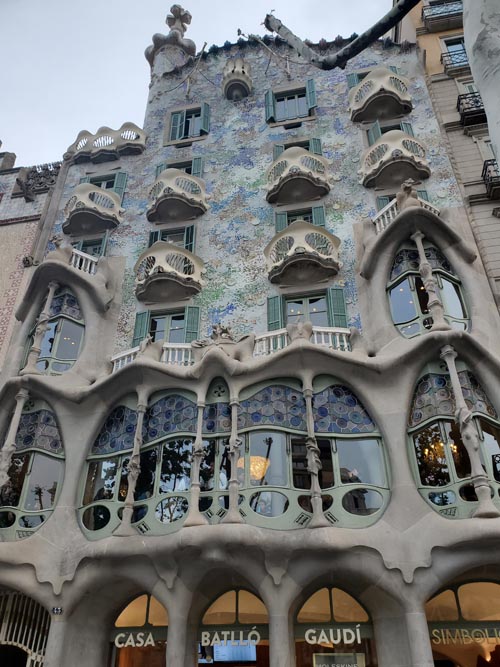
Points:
(63, 339)
(234, 630)
(24, 627)
(140, 634)
(35, 473)
(332, 622)
(464, 624)
(407, 295)
(441, 463)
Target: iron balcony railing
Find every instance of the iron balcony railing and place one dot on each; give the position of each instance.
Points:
(444, 9)
(491, 178)
(471, 109)
(455, 60)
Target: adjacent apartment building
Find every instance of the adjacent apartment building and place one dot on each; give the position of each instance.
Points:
(250, 369)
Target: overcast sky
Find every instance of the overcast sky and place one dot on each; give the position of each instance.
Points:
(69, 65)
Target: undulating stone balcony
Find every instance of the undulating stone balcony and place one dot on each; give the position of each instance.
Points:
(491, 178)
(392, 159)
(381, 94)
(297, 176)
(107, 144)
(387, 215)
(91, 210)
(443, 16)
(167, 272)
(181, 354)
(176, 196)
(471, 109)
(236, 81)
(301, 254)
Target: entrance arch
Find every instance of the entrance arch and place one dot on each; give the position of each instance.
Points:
(24, 627)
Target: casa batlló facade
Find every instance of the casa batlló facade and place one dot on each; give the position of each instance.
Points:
(250, 408)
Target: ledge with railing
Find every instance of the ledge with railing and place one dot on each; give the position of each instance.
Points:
(92, 209)
(395, 156)
(107, 144)
(299, 248)
(382, 93)
(471, 109)
(181, 354)
(389, 213)
(443, 16)
(455, 62)
(82, 262)
(297, 175)
(176, 195)
(166, 271)
(491, 178)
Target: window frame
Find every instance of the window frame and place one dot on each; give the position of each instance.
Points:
(272, 95)
(177, 121)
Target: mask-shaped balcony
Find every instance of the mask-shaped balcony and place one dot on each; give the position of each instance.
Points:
(392, 159)
(176, 196)
(302, 253)
(296, 176)
(92, 210)
(167, 272)
(107, 144)
(381, 94)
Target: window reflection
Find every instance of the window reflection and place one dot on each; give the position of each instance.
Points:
(45, 476)
(301, 476)
(176, 466)
(100, 481)
(431, 457)
(403, 307)
(361, 461)
(10, 492)
(268, 460)
(460, 457)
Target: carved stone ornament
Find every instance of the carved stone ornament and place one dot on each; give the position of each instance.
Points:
(178, 21)
(222, 338)
(407, 196)
(37, 180)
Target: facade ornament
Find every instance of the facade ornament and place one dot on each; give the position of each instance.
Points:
(10, 442)
(233, 449)
(223, 338)
(470, 438)
(134, 470)
(195, 517)
(178, 21)
(407, 197)
(236, 81)
(435, 305)
(314, 465)
(40, 330)
(299, 331)
(37, 180)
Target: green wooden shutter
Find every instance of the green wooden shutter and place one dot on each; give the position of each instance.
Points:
(383, 201)
(423, 195)
(205, 118)
(104, 243)
(277, 150)
(318, 216)
(407, 127)
(197, 167)
(161, 167)
(140, 328)
(374, 133)
(154, 237)
(270, 107)
(336, 307)
(120, 184)
(85, 179)
(315, 146)
(189, 238)
(352, 80)
(177, 122)
(192, 316)
(274, 313)
(280, 221)
(311, 94)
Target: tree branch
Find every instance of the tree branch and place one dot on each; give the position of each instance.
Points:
(342, 57)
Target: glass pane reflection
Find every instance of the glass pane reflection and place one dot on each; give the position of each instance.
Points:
(45, 477)
(176, 466)
(402, 302)
(361, 461)
(10, 492)
(431, 457)
(268, 459)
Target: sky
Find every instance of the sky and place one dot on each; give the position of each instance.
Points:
(70, 65)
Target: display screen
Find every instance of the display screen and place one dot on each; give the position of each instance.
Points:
(208, 655)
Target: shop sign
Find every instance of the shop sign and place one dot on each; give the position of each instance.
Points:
(135, 639)
(344, 635)
(338, 660)
(231, 637)
(465, 636)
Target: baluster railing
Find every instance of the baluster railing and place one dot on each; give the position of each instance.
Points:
(83, 262)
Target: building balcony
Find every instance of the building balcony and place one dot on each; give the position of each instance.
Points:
(387, 215)
(181, 354)
(107, 144)
(491, 178)
(92, 210)
(392, 159)
(381, 94)
(455, 63)
(167, 272)
(176, 196)
(297, 176)
(443, 16)
(471, 109)
(301, 254)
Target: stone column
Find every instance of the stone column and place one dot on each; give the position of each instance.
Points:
(10, 441)
(134, 468)
(418, 636)
(470, 438)
(41, 327)
(181, 642)
(55, 642)
(436, 309)
(313, 466)
(281, 640)
(195, 517)
(233, 515)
